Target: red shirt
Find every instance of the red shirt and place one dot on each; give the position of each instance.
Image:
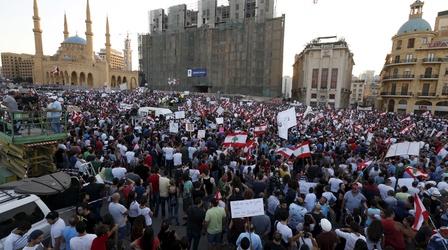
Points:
(155, 243)
(99, 243)
(202, 168)
(392, 237)
(154, 180)
(148, 161)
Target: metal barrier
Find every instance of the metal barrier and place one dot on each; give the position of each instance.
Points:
(22, 127)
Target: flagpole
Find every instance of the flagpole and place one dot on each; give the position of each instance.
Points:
(437, 230)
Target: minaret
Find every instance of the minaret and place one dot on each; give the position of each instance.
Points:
(38, 75)
(65, 27)
(89, 34)
(108, 45)
(127, 54)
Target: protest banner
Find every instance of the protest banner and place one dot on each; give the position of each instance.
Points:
(286, 120)
(219, 120)
(179, 115)
(72, 108)
(189, 127)
(201, 134)
(247, 208)
(404, 148)
(174, 127)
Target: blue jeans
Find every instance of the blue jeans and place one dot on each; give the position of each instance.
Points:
(155, 201)
(163, 203)
(55, 125)
(214, 239)
(194, 238)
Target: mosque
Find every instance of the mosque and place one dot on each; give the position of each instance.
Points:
(75, 63)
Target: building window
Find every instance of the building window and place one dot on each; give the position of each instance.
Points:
(397, 59)
(313, 96)
(324, 78)
(237, 7)
(409, 57)
(445, 89)
(331, 97)
(393, 88)
(428, 72)
(314, 78)
(395, 74)
(411, 42)
(334, 78)
(404, 89)
(430, 57)
(424, 40)
(398, 47)
(425, 89)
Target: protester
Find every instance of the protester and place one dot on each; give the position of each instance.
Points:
(13, 240)
(56, 230)
(84, 240)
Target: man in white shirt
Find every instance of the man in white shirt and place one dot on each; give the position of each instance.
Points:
(384, 188)
(84, 240)
(119, 213)
(191, 151)
(164, 184)
(130, 157)
(57, 227)
(168, 152)
(334, 184)
(13, 241)
(119, 172)
(177, 159)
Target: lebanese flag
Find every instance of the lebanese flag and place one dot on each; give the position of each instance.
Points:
(259, 130)
(442, 152)
(236, 140)
(407, 129)
(285, 152)
(363, 164)
(302, 150)
(406, 119)
(416, 173)
(420, 213)
(250, 145)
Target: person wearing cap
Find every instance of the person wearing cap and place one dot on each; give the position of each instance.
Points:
(34, 240)
(327, 239)
(56, 230)
(54, 112)
(439, 241)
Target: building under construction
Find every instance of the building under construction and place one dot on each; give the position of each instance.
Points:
(235, 49)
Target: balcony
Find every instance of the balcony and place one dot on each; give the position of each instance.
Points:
(402, 62)
(426, 94)
(429, 77)
(397, 94)
(433, 60)
(398, 77)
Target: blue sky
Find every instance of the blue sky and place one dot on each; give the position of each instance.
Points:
(367, 25)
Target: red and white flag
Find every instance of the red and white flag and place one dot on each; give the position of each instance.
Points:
(363, 164)
(302, 150)
(406, 119)
(250, 145)
(416, 173)
(259, 130)
(236, 140)
(442, 152)
(407, 129)
(420, 213)
(285, 152)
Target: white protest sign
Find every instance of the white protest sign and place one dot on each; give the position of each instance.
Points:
(179, 115)
(285, 120)
(219, 120)
(174, 127)
(189, 127)
(247, 208)
(405, 182)
(201, 134)
(305, 186)
(220, 110)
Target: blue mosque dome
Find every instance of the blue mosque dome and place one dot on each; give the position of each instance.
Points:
(75, 40)
(414, 25)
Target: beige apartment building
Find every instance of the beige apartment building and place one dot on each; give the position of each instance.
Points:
(116, 58)
(323, 73)
(414, 78)
(357, 91)
(17, 66)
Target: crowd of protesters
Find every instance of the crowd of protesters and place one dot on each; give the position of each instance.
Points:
(355, 200)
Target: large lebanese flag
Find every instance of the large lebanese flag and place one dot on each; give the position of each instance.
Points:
(416, 173)
(285, 152)
(420, 213)
(441, 152)
(363, 164)
(302, 150)
(236, 140)
(259, 130)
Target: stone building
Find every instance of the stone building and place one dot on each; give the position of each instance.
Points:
(17, 67)
(75, 62)
(357, 91)
(322, 73)
(237, 57)
(414, 78)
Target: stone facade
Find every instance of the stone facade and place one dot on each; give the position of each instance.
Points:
(414, 78)
(17, 66)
